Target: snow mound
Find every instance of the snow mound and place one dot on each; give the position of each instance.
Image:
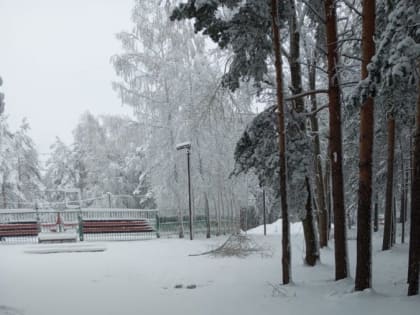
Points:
(275, 228)
(64, 248)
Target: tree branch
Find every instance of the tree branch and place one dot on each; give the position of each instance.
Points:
(303, 94)
(315, 12)
(352, 7)
(313, 113)
(285, 52)
(352, 57)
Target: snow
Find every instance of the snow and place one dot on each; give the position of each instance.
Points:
(68, 248)
(60, 236)
(139, 277)
(275, 228)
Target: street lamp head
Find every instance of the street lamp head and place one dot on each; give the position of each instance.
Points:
(184, 145)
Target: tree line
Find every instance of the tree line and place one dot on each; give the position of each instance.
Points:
(349, 56)
(337, 141)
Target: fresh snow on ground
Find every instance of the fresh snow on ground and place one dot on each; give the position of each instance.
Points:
(275, 228)
(139, 277)
(64, 248)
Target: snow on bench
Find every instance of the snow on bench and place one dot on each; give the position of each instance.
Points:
(57, 237)
(64, 248)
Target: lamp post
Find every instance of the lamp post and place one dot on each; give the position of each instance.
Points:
(187, 146)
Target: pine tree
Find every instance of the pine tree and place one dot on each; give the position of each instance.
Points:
(364, 211)
(286, 254)
(336, 155)
(414, 259)
(395, 66)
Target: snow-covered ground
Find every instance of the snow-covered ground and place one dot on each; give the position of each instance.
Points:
(139, 277)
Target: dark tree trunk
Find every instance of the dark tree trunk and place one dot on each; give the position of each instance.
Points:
(319, 178)
(402, 193)
(311, 242)
(414, 257)
(207, 214)
(336, 146)
(387, 239)
(218, 210)
(327, 185)
(364, 211)
(394, 222)
(286, 253)
(376, 216)
(299, 107)
(403, 213)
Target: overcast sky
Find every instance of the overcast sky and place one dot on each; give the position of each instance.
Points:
(55, 62)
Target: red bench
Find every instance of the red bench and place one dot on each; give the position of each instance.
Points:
(16, 229)
(116, 226)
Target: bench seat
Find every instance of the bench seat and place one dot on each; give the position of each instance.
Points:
(11, 229)
(116, 226)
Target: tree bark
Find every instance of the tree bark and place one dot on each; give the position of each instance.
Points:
(327, 185)
(403, 213)
(394, 220)
(217, 207)
(364, 211)
(286, 250)
(376, 216)
(207, 214)
(311, 242)
(414, 257)
(319, 178)
(387, 239)
(336, 146)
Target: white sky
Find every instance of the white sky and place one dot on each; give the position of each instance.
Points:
(55, 62)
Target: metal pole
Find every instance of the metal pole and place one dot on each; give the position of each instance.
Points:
(189, 193)
(265, 224)
(109, 200)
(376, 215)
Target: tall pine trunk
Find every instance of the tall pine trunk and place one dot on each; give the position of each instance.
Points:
(364, 211)
(328, 196)
(376, 215)
(403, 213)
(387, 239)
(414, 252)
(286, 250)
(319, 178)
(336, 146)
(207, 214)
(311, 239)
(394, 221)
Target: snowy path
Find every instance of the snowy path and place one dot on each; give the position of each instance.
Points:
(139, 278)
